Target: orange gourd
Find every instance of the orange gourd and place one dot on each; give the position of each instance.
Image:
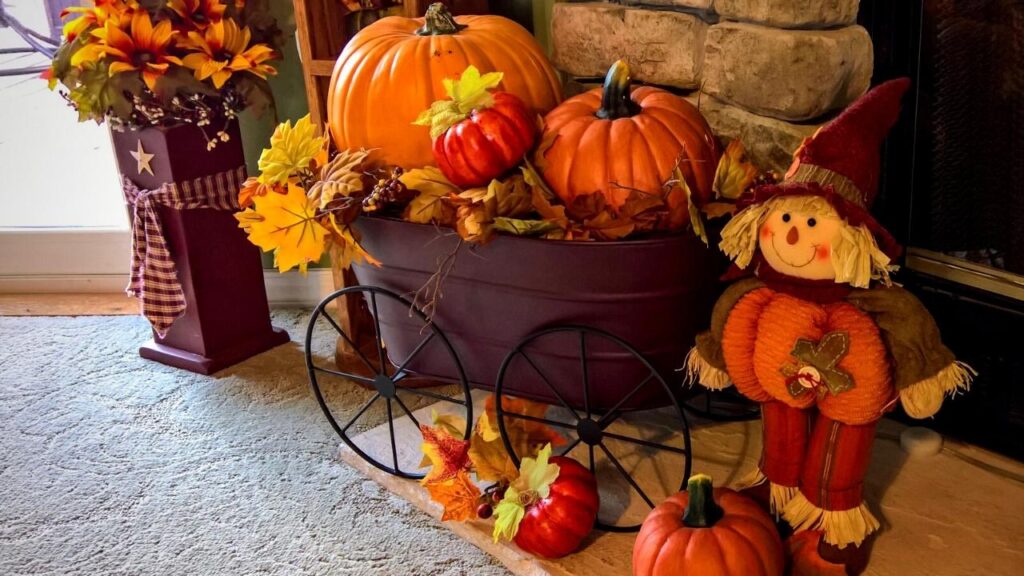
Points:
(615, 139)
(707, 530)
(393, 70)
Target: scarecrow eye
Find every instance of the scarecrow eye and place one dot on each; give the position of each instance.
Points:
(811, 222)
(786, 217)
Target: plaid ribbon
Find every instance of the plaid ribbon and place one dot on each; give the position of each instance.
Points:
(154, 279)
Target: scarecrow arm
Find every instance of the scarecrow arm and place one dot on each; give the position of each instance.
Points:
(705, 364)
(924, 370)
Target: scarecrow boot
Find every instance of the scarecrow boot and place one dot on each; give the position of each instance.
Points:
(784, 436)
(830, 498)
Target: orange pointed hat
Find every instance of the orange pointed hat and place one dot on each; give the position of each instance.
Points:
(841, 162)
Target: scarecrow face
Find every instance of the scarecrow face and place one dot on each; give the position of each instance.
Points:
(799, 244)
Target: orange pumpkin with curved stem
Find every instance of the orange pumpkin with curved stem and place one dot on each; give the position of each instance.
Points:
(394, 69)
(617, 139)
(707, 530)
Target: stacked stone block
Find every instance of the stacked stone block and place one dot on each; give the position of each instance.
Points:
(768, 72)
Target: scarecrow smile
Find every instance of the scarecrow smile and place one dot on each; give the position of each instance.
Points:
(814, 250)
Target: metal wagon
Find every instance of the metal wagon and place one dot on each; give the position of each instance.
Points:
(596, 330)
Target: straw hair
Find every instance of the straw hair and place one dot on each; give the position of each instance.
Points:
(856, 257)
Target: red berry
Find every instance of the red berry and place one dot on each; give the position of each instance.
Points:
(484, 511)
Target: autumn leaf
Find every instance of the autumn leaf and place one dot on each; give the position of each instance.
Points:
(288, 228)
(512, 196)
(518, 227)
(534, 483)
(734, 172)
(696, 222)
(607, 226)
(488, 454)
(459, 496)
(431, 204)
(472, 91)
(454, 425)
(293, 149)
(525, 436)
(448, 455)
(718, 209)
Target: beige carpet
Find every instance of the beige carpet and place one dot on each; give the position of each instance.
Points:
(110, 464)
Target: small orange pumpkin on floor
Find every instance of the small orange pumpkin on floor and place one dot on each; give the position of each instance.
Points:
(705, 531)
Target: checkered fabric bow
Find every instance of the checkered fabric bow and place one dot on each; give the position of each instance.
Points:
(154, 279)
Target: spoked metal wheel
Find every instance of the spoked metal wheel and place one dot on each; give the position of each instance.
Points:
(721, 405)
(615, 411)
(385, 388)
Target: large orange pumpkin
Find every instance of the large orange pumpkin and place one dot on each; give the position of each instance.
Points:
(393, 69)
(706, 531)
(616, 139)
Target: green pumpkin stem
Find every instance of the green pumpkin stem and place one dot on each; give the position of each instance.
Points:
(616, 101)
(701, 509)
(438, 21)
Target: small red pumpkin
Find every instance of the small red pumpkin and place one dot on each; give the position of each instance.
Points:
(478, 134)
(556, 525)
(707, 530)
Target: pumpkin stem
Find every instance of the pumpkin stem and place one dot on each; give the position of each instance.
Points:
(701, 509)
(616, 101)
(438, 21)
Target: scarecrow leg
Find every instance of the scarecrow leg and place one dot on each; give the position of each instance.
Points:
(784, 435)
(831, 497)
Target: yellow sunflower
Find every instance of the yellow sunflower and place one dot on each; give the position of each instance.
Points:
(144, 50)
(198, 13)
(223, 49)
(118, 11)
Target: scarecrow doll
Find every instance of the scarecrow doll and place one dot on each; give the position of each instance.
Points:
(820, 337)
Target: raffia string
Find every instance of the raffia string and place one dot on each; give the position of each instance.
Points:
(154, 277)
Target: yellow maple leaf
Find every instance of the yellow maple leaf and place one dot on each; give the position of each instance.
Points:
(472, 91)
(487, 452)
(459, 496)
(431, 205)
(293, 149)
(287, 226)
(734, 172)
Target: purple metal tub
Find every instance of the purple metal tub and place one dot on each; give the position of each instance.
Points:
(655, 294)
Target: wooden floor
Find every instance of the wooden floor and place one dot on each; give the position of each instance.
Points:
(67, 305)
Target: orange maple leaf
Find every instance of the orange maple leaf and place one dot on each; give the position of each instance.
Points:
(448, 455)
(526, 437)
(459, 496)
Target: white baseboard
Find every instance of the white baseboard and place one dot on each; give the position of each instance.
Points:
(289, 289)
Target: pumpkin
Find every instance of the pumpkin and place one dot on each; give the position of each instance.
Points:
(556, 525)
(394, 69)
(550, 508)
(478, 134)
(617, 139)
(707, 530)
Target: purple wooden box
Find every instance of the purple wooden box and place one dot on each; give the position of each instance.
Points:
(655, 294)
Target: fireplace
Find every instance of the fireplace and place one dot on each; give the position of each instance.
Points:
(771, 72)
(953, 191)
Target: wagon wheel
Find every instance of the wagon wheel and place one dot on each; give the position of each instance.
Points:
(590, 430)
(384, 379)
(721, 405)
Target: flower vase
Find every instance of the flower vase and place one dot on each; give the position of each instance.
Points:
(226, 317)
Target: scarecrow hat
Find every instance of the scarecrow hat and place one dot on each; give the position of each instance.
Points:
(842, 160)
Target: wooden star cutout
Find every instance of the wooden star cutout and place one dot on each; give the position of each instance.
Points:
(142, 159)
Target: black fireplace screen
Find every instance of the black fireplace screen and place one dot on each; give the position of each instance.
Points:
(968, 197)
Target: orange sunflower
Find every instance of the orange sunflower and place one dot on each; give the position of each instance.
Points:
(145, 50)
(223, 49)
(198, 13)
(119, 11)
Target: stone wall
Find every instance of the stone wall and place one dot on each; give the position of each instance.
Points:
(768, 72)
